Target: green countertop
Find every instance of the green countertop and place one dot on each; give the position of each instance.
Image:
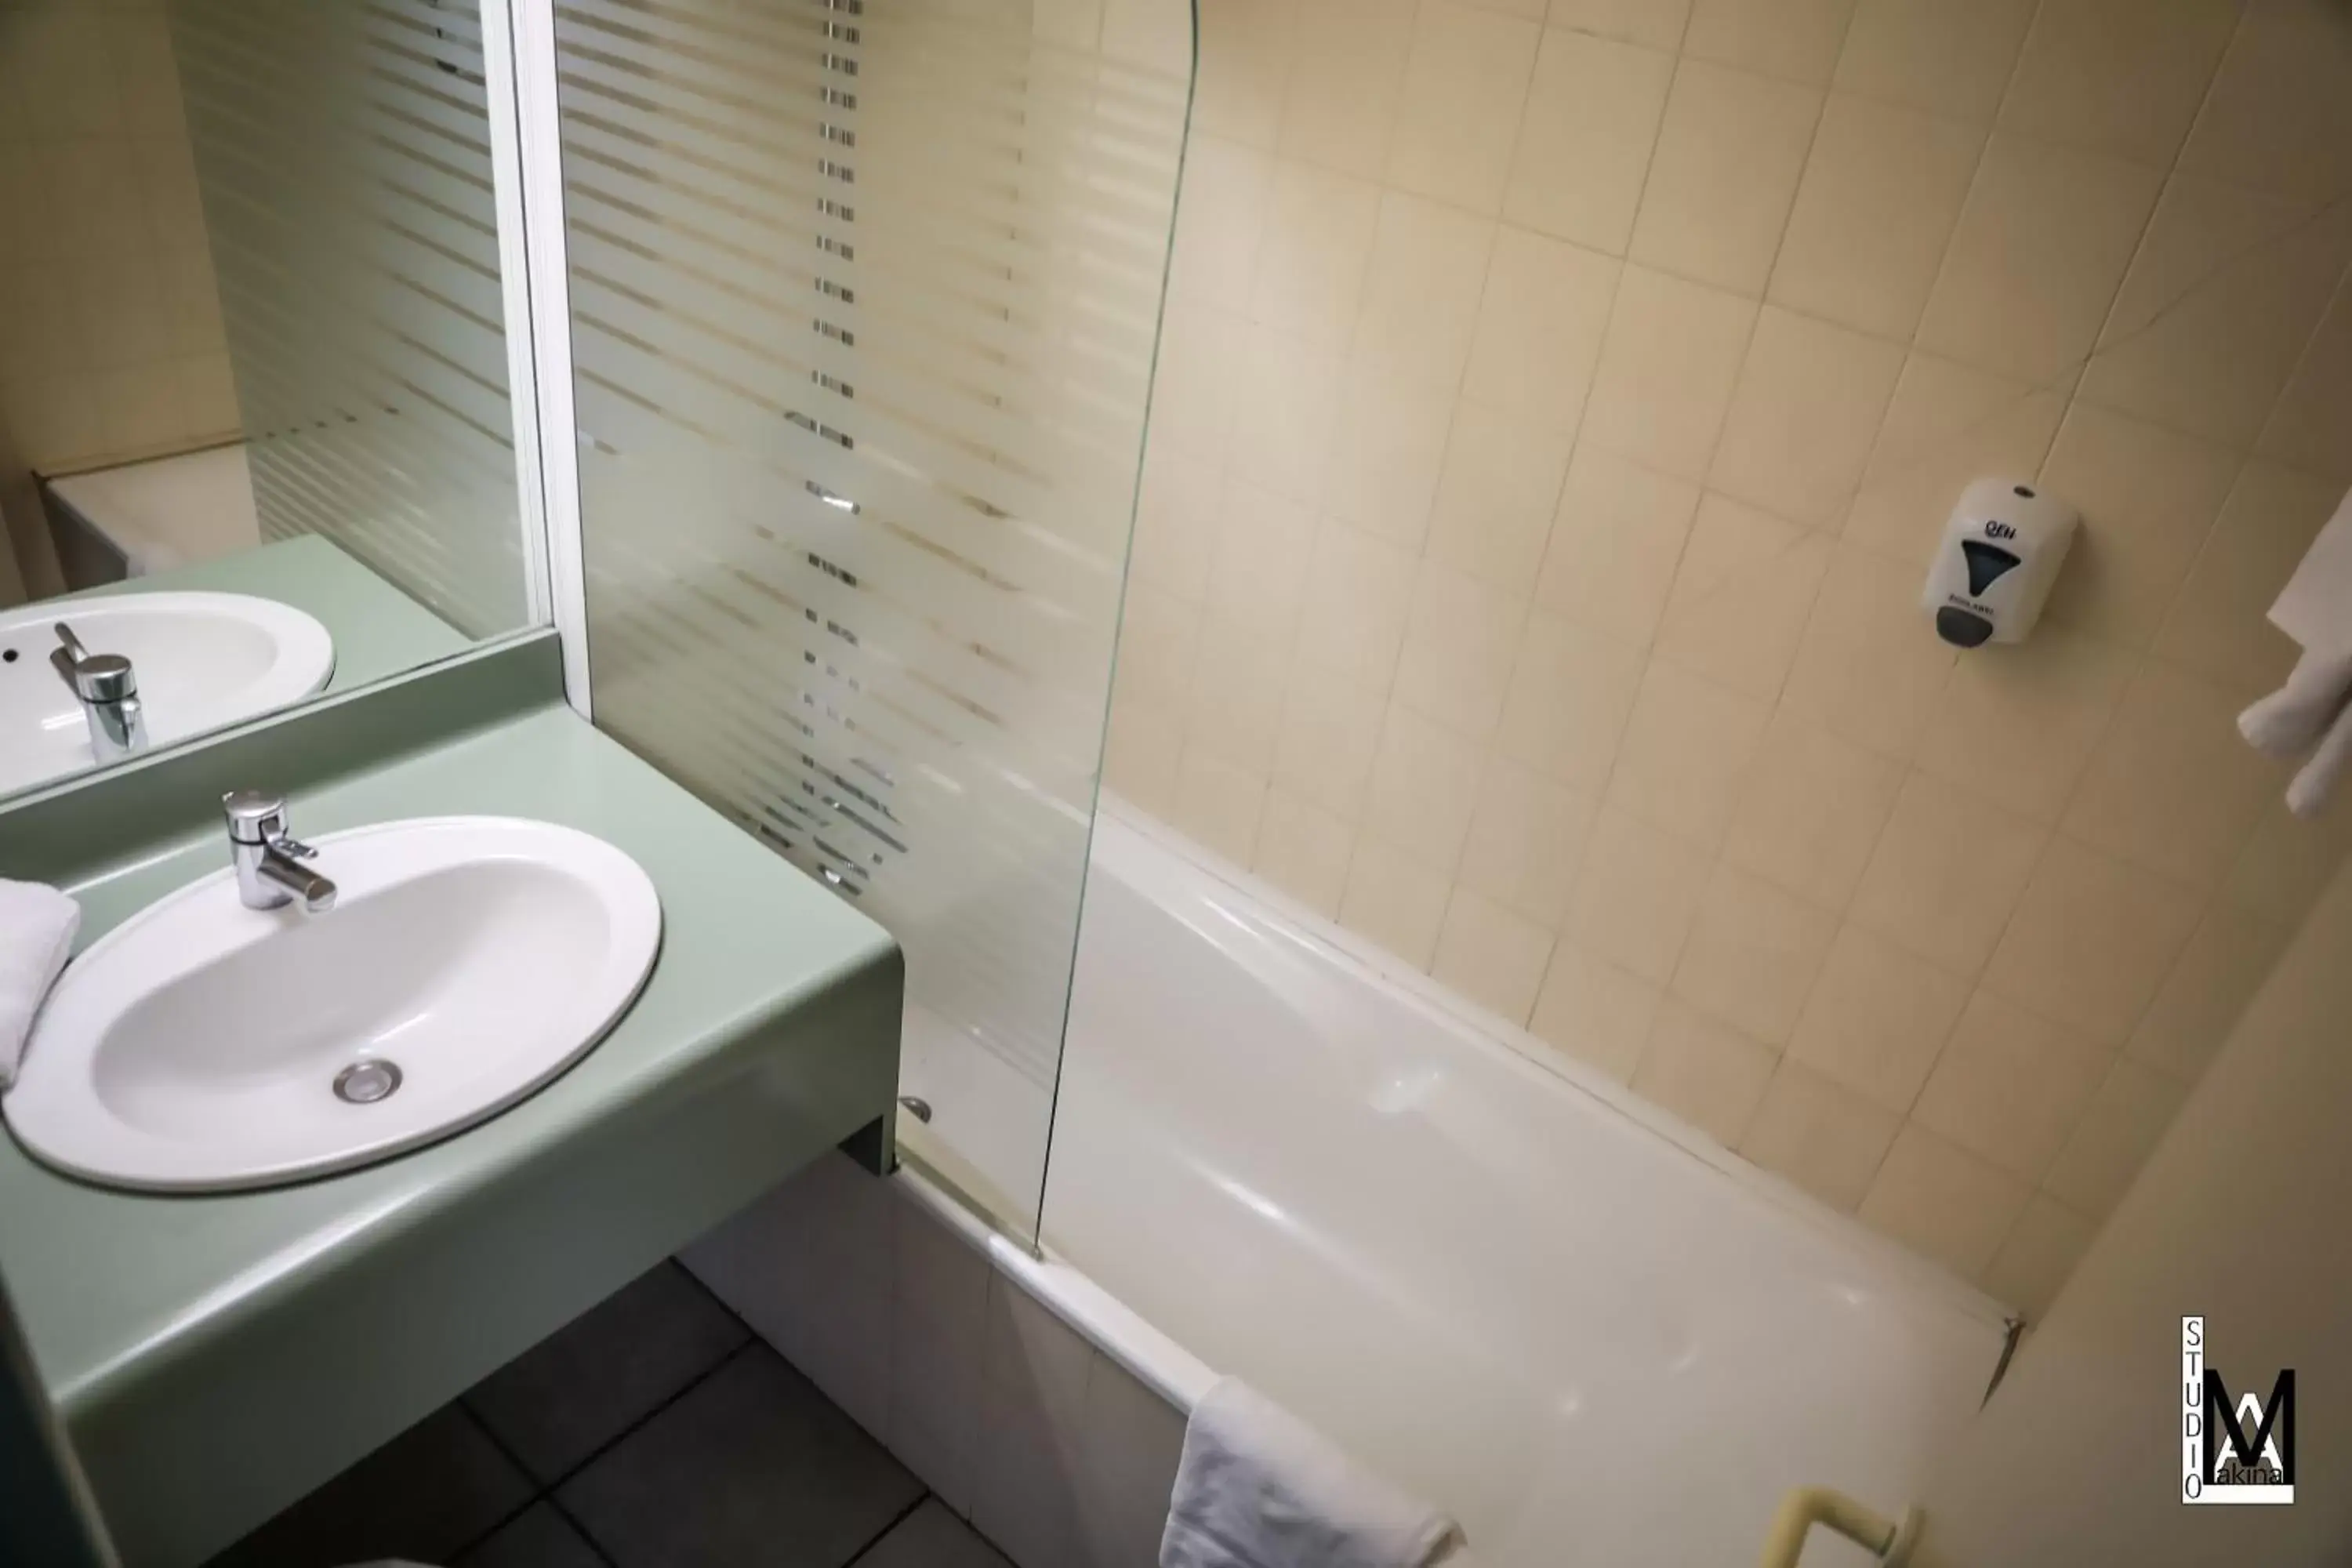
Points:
(215, 1357)
(378, 629)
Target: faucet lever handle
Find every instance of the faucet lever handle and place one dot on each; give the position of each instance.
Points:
(257, 817)
(93, 677)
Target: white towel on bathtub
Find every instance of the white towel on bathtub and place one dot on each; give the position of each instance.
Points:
(36, 931)
(1257, 1487)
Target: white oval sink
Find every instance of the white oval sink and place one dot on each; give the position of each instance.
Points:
(200, 1045)
(202, 660)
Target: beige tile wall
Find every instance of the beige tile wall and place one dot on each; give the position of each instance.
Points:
(111, 337)
(1557, 408)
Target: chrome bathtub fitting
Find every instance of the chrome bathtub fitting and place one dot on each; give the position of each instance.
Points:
(268, 860)
(108, 689)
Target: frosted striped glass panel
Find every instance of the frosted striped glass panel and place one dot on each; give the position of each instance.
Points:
(864, 300)
(344, 152)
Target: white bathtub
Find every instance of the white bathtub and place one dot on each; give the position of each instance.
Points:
(1580, 1327)
(1592, 1335)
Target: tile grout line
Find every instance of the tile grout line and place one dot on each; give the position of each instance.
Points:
(524, 1507)
(2055, 827)
(759, 1339)
(2072, 395)
(546, 1491)
(1346, 353)
(925, 1493)
(1960, 213)
(879, 1536)
(582, 1531)
(1576, 450)
(544, 1494)
(2078, 372)
(2064, 384)
(571, 1471)
(1498, 221)
(2057, 385)
(2082, 372)
(1805, 313)
(1704, 485)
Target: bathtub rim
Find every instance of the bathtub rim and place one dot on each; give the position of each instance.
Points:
(1119, 1331)
(1516, 1049)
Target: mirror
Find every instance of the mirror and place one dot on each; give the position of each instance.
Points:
(256, 440)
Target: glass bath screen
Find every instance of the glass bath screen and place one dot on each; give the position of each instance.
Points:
(865, 297)
(344, 154)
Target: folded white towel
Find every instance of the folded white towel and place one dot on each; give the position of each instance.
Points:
(2286, 723)
(2315, 608)
(1257, 1487)
(2309, 790)
(36, 931)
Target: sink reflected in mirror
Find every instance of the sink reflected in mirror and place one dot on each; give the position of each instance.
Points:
(235, 370)
(199, 662)
(205, 1045)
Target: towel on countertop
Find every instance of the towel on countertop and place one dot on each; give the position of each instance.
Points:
(2316, 704)
(36, 931)
(1257, 1487)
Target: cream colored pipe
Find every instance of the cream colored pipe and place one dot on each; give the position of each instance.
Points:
(1806, 1507)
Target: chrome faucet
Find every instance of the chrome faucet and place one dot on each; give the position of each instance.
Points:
(108, 689)
(268, 860)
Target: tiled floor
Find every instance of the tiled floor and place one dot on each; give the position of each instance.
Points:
(656, 1432)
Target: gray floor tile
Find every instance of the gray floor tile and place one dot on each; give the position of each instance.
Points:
(541, 1538)
(933, 1537)
(752, 1467)
(585, 1384)
(429, 1491)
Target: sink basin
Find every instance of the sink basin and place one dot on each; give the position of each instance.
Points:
(203, 659)
(204, 1046)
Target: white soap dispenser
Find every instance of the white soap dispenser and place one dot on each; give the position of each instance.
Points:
(2000, 553)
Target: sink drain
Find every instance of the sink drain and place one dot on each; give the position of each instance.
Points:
(364, 1083)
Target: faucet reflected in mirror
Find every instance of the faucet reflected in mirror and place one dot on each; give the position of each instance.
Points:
(107, 686)
(270, 873)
